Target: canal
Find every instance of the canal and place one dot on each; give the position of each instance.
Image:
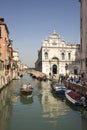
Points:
(42, 111)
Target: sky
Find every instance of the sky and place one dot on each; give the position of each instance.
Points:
(31, 21)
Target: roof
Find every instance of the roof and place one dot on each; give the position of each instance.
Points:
(54, 35)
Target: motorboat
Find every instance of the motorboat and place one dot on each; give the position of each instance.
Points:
(26, 89)
(58, 88)
(75, 98)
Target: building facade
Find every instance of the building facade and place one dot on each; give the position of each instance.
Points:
(57, 57)
(4, 42)
(83, 36)
(8, 58)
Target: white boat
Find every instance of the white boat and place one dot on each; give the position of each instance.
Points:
(73, 97)
(58, 88)
(26, 89)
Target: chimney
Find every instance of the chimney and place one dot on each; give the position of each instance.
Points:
(1, 20)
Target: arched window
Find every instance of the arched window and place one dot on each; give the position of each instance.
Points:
(69, 56)
(46, 55)
(63, 56)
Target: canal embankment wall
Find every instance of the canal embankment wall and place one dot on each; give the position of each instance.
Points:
(4, 80)
(82, 89)
(7, 78)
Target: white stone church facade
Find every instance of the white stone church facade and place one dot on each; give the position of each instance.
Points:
(55, 54)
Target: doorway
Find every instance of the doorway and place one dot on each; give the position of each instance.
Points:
(75, 71)
(54, 69)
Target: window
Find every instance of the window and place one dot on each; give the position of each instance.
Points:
(86, 62)
(46, 55)
(54, 43)
(0, 54)
(0, 32)
(63, 56)
(69, 56)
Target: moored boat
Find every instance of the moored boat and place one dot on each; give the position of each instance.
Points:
(75, 98)
(58, 88)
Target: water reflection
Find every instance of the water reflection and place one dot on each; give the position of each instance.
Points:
(5, 107)
(42, 111)
(8, 97)
(26, 100)
(80, 109)
(52, 107)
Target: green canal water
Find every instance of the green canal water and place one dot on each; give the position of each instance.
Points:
(43, 111)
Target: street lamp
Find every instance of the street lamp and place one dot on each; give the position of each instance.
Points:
(66, 68)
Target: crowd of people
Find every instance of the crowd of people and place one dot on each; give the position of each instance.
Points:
(26, 87)
(75, 79)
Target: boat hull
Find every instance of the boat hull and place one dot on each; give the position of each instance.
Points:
(73, 97)
(26, 92)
